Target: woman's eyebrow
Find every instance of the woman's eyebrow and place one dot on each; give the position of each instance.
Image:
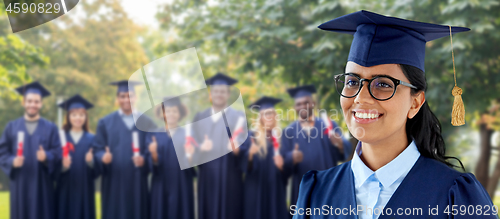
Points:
(375, 75)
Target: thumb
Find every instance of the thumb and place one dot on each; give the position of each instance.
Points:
(153, 138)
(107, 150)
(90, 150)
(40, 148)
(296, 146)
(206, 137)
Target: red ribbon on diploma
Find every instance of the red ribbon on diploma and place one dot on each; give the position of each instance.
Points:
(20, 149)
(190, 141)
(135, 149)
(66, 148)
(276, 145)
(328, 123)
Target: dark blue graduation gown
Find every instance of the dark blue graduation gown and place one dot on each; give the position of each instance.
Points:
(265, 187)
(319, 153)
(31, 186)
(75, 187)
(429, 183)
(220, 181)
(124, 187)
(172, 193)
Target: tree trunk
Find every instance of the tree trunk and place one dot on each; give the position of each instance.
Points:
(482, 168)
(493, 181)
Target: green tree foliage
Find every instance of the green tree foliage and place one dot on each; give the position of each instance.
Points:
(89, 48)
(16, 56)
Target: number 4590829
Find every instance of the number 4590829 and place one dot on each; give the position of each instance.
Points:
(41, 8)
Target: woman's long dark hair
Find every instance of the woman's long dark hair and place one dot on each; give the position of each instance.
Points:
(425, 128)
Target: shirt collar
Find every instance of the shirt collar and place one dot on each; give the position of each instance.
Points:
(120, 112)
(389, 173)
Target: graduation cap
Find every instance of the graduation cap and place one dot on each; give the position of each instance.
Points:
(33, 88)
(387, 40)
(301, 91)
(76, 102)
(171, 101)
(380, 40)
(265, 102)
(221, 79)
(125, 85)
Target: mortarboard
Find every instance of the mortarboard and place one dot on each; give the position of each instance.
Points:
(221, 79)
(380, 39)
(171, 101)
(76, 102)
(125, 85)
(265, 103)
(301, 91)
(33, 88)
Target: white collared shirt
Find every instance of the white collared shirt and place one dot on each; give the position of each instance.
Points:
(128, 119)
(374, 189)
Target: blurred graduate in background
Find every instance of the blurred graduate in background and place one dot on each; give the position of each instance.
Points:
(75, 182)
(220, 181)
(265, 181)
(307, 143)
(172, 193)
(124, 184)
(30, 151)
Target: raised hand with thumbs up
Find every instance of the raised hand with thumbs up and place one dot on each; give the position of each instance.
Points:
(41, 155)
(297, 154)
(107, 157)
(89, 156)
(153, 149)
(254, 148)
(207, 144)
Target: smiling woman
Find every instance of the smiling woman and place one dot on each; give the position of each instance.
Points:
(399, 167)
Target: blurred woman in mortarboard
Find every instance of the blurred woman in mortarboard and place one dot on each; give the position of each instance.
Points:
(172, 193)
(265, 180)
(400, 161)
(75, 181)
(29, 153)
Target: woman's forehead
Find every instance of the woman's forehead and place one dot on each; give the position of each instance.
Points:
(393, 70)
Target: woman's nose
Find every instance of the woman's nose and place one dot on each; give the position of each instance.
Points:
(364, 96)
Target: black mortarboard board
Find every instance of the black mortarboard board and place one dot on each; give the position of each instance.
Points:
(301, 91)
(125, 85)
(171, 101)
(35, 88)
(265, 103)
(380, 39)
(75, 102)
(221, 79)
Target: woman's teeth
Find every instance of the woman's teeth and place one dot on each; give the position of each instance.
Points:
(366, 115)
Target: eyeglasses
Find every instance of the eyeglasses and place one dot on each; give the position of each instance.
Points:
(380, 87)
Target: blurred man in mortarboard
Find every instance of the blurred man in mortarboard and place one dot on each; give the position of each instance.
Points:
(124, 185)
(30, 151)
(307, 145)
(265, 180)
(220, 182)
(77, 172)
(400, 160)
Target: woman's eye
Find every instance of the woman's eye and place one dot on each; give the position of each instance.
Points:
(383, 85)
(352, 83)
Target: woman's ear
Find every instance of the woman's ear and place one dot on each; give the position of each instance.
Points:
(417, 102)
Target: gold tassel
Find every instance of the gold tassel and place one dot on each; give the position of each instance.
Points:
(458, 111)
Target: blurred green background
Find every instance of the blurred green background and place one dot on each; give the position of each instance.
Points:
(268, 45)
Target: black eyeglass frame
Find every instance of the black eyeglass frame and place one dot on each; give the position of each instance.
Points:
(394, 80)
